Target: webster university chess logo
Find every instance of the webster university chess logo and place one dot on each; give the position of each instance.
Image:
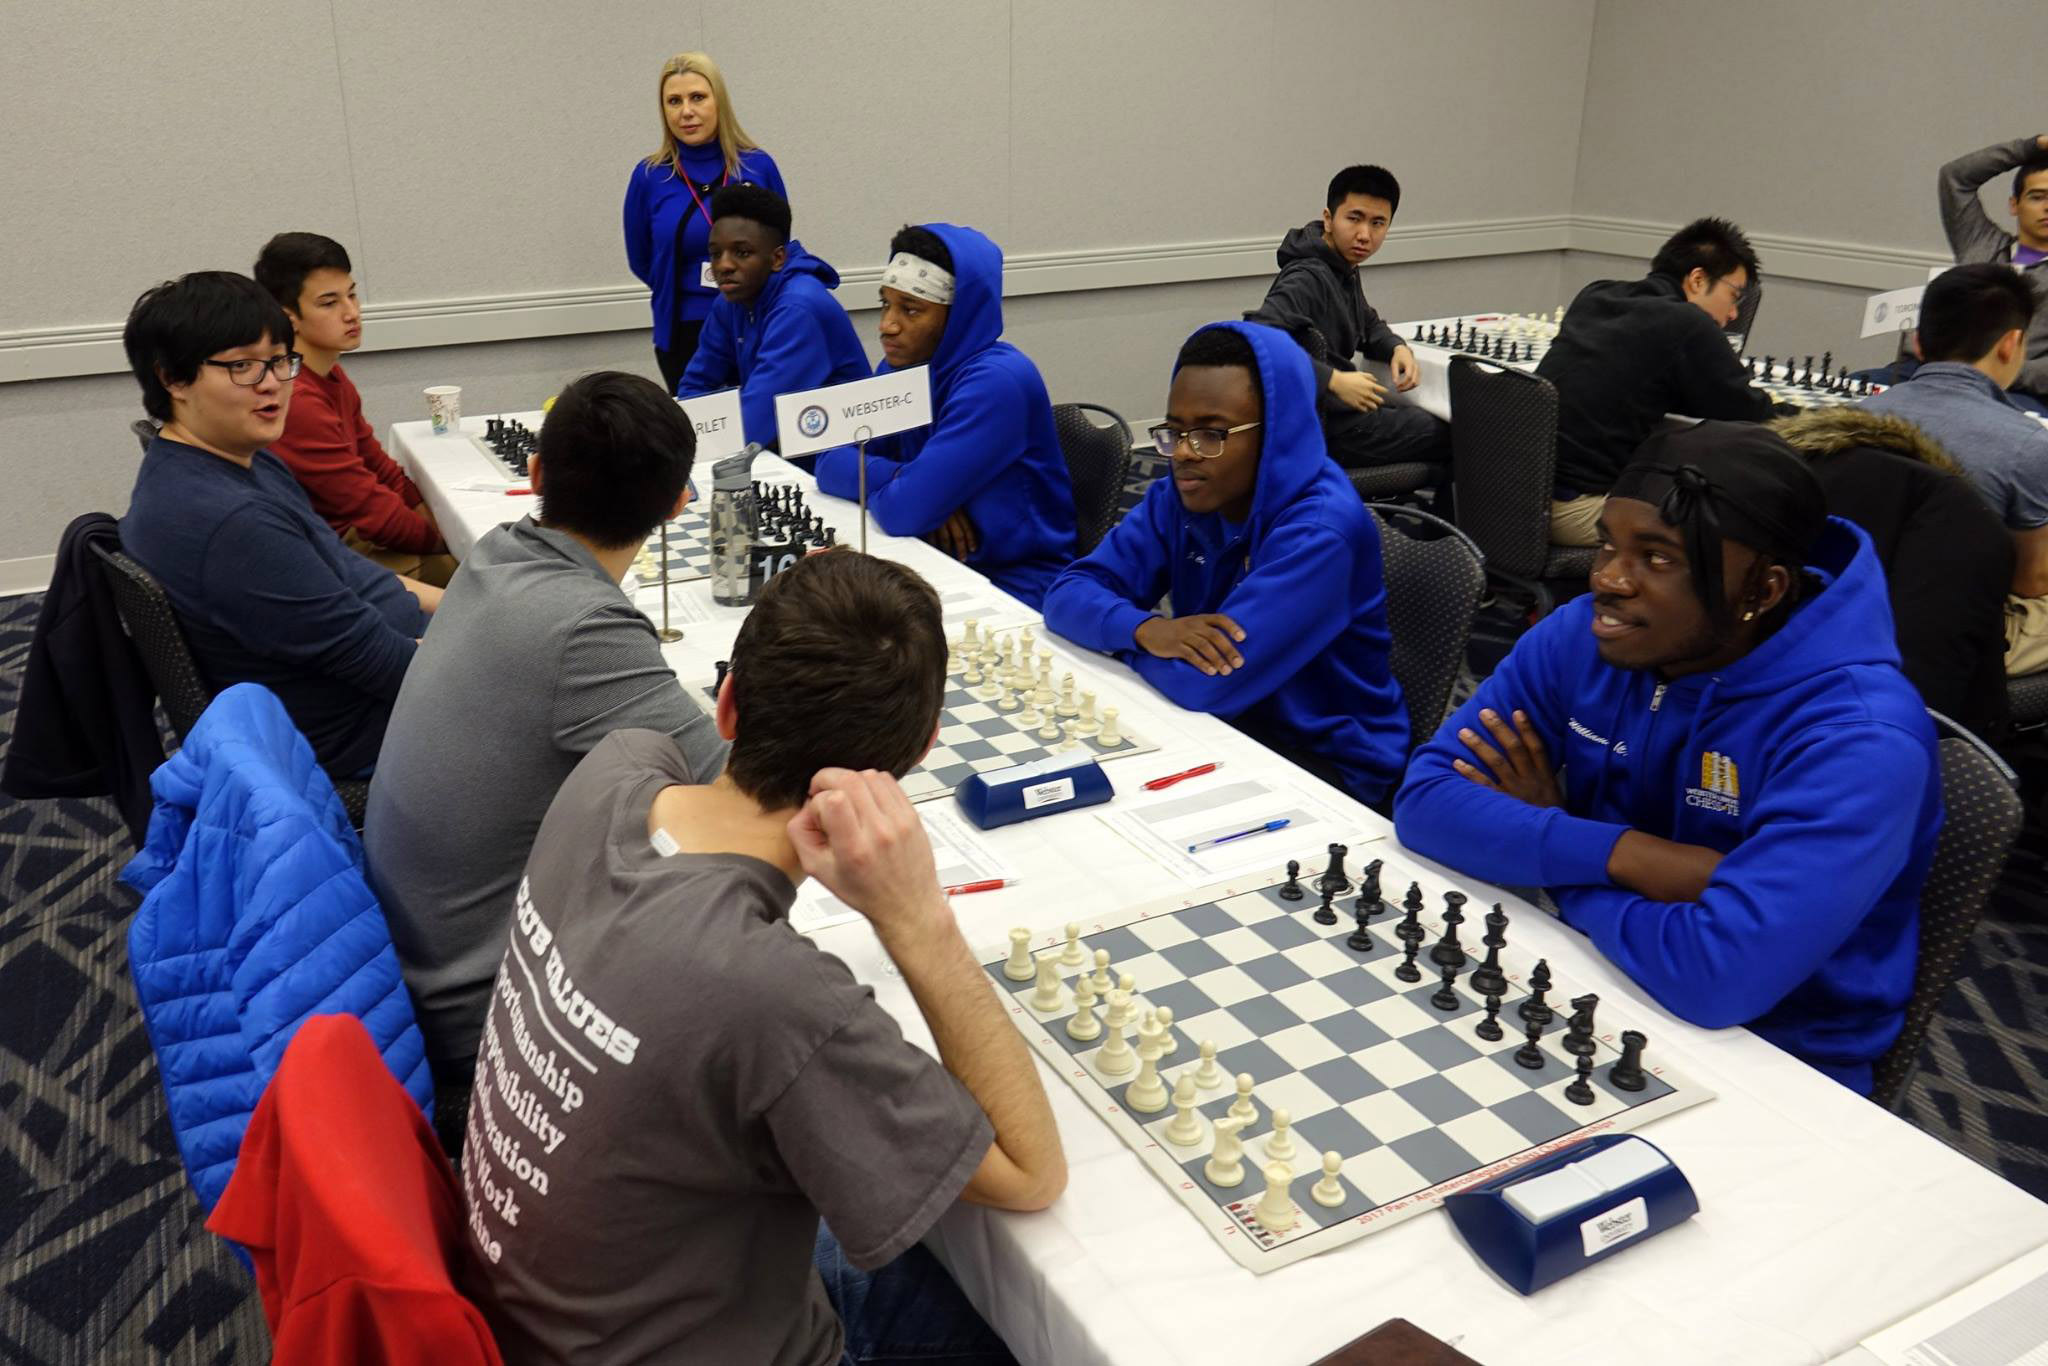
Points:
(812, 421)
(1720, 786)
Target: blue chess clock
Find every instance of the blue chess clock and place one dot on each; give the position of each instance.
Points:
(1540, 1223)
(1023, 792)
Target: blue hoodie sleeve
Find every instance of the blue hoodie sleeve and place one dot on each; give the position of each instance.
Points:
(1823, 844)
(793, 356)
(716, 363)
(639, 223)
(964, 454)
(1100, 600)
(1486, 833)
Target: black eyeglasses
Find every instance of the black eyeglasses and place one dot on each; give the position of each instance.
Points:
(1206, 442)
(250, 373)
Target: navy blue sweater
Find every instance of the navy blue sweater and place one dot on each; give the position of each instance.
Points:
(1809, 762)
(267, 593)
(1302, 576)
(991, 448)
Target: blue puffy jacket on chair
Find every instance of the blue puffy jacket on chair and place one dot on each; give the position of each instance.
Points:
(255, 916)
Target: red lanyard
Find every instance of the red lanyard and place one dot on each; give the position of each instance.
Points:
(688, 185)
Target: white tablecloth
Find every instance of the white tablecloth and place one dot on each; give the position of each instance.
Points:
(1822, 1217)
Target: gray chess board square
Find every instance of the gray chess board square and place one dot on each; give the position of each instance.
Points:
(1262, 1015)
(1121, 944)
(1284, 932)
(1433, 1155)
(1184, 999)
(1332, 1130)
(1439, 1099)
(1343, 1080)
(1274, 973)
(1247, 1189)
(1552, 1069)
(1444, 1049)
(1208, 919)
(1194, 957)
(1254, 1057)
(1350, 1031)
(1355, 1202)
(1535, 1118)
(1357, 988)
(1432, 982)
(967, 751)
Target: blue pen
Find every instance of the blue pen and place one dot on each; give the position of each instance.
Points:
(1241, 834)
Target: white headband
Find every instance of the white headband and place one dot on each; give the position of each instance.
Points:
(919, 278)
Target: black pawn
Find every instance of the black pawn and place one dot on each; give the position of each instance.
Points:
(1529, 1055)
(1489, 1028)
(1445, 997)
(1408, 972)
(1410, 930)
(1487, 978)
(1334, 878)
(1532, 1008)
(1578, 1030)
(1580, 1092)
(1360, 940)
(1627, 1072)
(1447, 951)
(1326, 914)
(1291, 889)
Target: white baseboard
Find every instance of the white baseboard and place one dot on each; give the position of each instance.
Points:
(29, 574)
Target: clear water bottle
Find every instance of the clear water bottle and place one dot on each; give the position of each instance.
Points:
(735, 520)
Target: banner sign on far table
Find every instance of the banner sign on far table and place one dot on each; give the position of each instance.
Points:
(818, 419)
(1896, 310)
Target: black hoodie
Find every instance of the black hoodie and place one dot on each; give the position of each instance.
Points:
(1318, 288)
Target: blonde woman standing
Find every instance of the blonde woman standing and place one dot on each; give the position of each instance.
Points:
(668, 202)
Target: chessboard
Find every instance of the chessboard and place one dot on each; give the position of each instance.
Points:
(785, 518)
(1364, 1056)
(509, 443)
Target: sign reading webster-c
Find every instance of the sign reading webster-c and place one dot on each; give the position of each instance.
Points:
(716, 416)
(818, 419)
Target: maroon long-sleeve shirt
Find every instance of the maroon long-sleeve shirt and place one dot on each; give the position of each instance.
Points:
(352, 483)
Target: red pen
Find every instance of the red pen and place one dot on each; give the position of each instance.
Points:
(513, 493)
(1170, 779)
(988, 885)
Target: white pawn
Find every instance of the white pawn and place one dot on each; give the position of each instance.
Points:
(1115, 1057)
(991, 686)
(1051, 729)
(1111, 737)
(1280, 1143)
(972, 674)
(1067, 740)
(1019, 967)
(1101, 973)
(1067, 706)
(1169, 1043)
(1028, 718)
(1084, 1027)
(1005, 699)
(1329, 1192)
(1148, 1093)
(1208, 1076)
(954, 664)
(1070, 956)
(1049, 995)
(1185, 1128)
(1225, 1166)
(1242, 1108)
(1129, 984)
(1275, 1211)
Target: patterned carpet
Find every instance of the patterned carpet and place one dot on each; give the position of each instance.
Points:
(102, 1254)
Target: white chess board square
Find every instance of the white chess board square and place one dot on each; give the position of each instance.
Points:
(1303, 1046)
(1219, 1027)
(1393, 1063)
(954, 735)
(1321, 958)
(1250, 909)
(1161, 931)
(1311, 1001)
(1147, 970)
(1485, 1080)
(965, 712)
(1382, 1175)
(1013, 742)
(1388, 1116)
(1485, 1135)
(1239, 946)
(1398, 1016)
(991, 764)
(1294, 1093)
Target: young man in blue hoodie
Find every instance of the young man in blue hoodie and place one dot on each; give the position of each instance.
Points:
(775, 328)
(1273, 563)
(986, 482)
(1750, 790)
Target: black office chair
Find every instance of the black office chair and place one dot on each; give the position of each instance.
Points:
(1981, 795)
(1098, 462)
(1434, 583)
(152, 623)
(1503, 468)
(2027, 698)
(1374, 482)
(144, 430)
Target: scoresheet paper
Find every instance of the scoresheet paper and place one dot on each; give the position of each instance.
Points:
(961, 857)
(2001, 1320)
(1164, 824)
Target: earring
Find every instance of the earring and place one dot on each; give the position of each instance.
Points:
(1750, 615)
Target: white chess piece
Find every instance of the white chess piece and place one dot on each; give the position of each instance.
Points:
(1168, 1043)
(1026, 642)
(1084, 1027)
(1110, 737)
(1225, 1166)
(1129, 986)
(1280, 1143)
(954, 664)
(1019, 967)
(1067, 740)
(1208, 1076)
(1070, 956)
(1103, 981)
(991, 685)
(1275, 1211)
(1329, 1192)
(1086, 724)
(1051, 729)
(1185, 1128)
(971, 675)
(969, 641)
(1050, 993)
(1067, 705)
(1242, 1108)
(1005, 699)
(1148, 1093)
(1028, 718)
(1041, 695)
(1115, 1057)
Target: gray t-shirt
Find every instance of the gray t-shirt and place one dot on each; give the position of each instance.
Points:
(535, 655)
(674, 1086)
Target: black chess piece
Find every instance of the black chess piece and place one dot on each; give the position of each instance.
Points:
(1808, 381)
(1489, 1028)
(1291, 890)
(1827, 363)
(1369, 885)
(1580, 1092)
(1326, 914)
(1334, 877)
(1533, 1008)
(723, 666)
(1769, 367)
(1360, 940)
(1408, 972)
(1410, 930)
(1487, 978)
(1448, 950)
(1578, 1030)
(1445, 997)
(1530, 1055)
(1627, 1072)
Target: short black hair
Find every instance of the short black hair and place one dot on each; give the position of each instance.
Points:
(756, 205)
(840, 664)
(176, 325)
(2032, 166)
(1376, 181)
(615, 455)
(1966, 309)
(288, 258)
(1222, 346)
(924, 243)
(1711, 244)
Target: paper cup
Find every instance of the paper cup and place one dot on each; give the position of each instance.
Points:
(444, 408)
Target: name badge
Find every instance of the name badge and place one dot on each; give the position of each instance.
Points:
(704, 276)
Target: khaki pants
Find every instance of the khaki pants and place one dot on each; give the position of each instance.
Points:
(429, 569)
(1576, 522)
(2026, 635)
